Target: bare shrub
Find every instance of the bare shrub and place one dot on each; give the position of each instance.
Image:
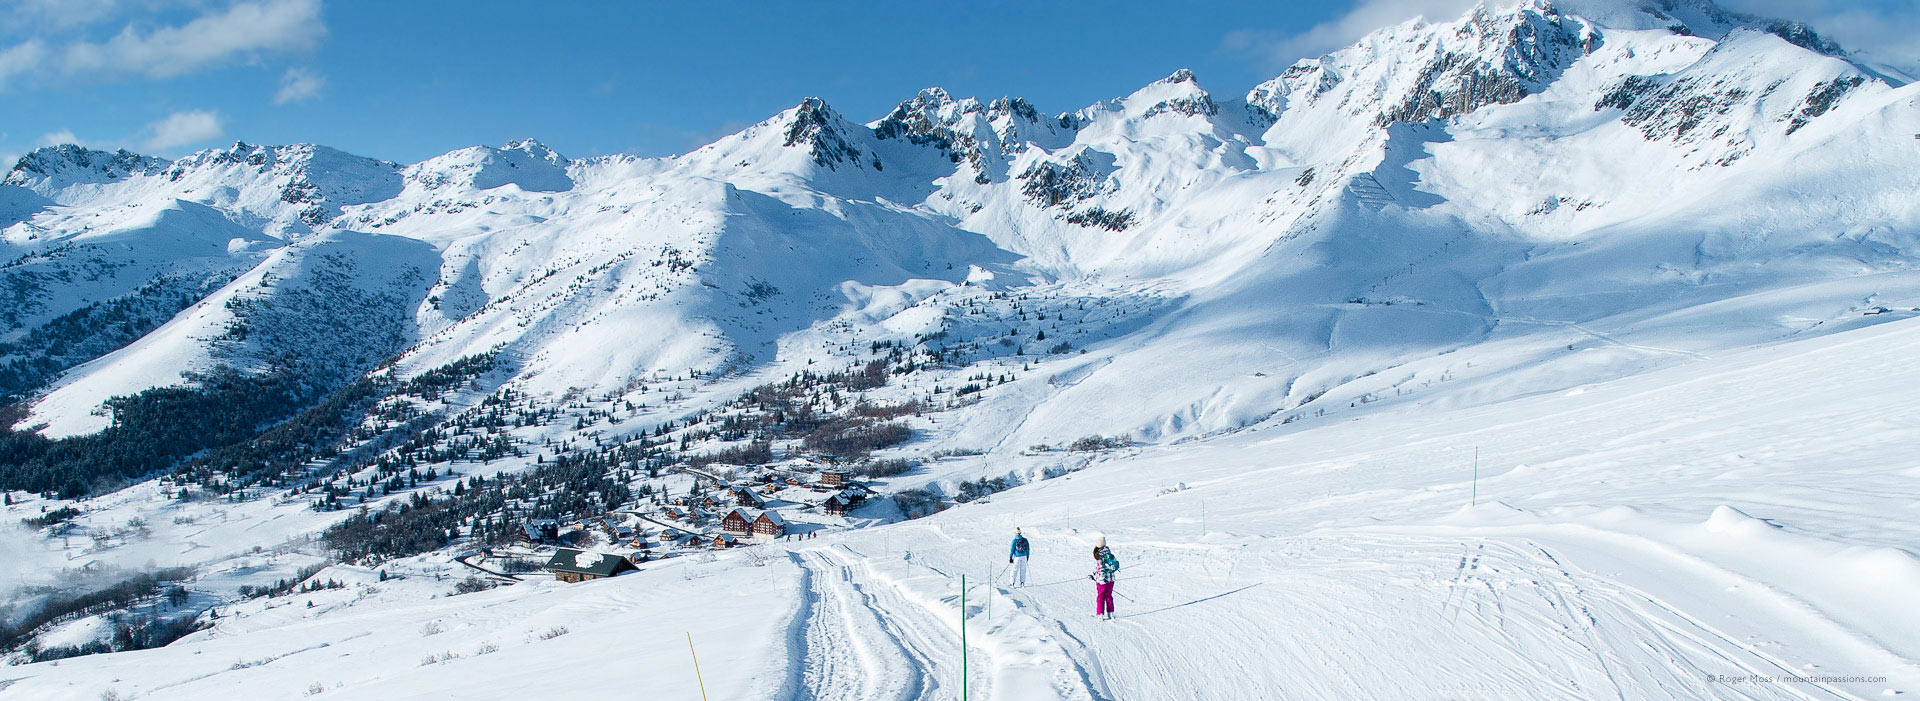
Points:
(855, 437)
(915, 503)
(1093, 443)
(472, 584)
(874, 469)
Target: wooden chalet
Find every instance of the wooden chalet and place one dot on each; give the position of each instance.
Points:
(540, 530)
(833, 477)
(570, 565)
(837, 505)
(745, 497)
(724, 541)
(737, 522)
(769, 525)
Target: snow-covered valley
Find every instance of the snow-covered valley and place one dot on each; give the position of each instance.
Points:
(1748, 515)
(1553, 351)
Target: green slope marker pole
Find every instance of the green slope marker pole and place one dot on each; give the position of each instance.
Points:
(963, 637)
(696, 667)
(1475, 501)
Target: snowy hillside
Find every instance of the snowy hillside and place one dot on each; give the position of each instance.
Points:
(1556, 230)
(1746, 515)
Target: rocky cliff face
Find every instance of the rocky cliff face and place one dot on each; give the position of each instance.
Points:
(53, 168)
(822, 132)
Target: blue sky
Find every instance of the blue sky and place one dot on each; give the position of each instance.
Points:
(408, 80)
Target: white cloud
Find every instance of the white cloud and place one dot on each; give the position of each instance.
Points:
(1877, 32)
(184, 129)
(299, 85)
(20, 58)
(241, 30)
(56, 138)
(1278, 50)
(60, 14)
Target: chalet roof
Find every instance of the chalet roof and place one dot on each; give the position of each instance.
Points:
(743, 514)
(772, 517)
(585, 562)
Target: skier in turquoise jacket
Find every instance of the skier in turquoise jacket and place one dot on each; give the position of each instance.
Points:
(1017, 556)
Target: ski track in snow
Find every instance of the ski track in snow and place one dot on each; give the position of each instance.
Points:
(1528, 625)
(849, 649)
(885, 629)
(862, 640)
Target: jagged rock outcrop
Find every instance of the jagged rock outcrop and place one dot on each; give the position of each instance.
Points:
(1499, 59)
(49, 168)
(817, 128)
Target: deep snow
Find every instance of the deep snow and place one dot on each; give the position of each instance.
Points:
(1726, 518)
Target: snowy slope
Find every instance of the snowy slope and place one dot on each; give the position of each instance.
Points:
(343, 301)
(1302, 561)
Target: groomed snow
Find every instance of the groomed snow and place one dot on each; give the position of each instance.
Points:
(1646, 537)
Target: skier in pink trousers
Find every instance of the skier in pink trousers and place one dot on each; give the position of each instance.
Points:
(1105, 567)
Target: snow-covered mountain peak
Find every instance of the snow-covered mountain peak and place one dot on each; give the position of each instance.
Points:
(1177, 94)
(963, 130)
(533, 147)
(827, 136)
(527, 164)
(296, 186)
(1416, 71)
(927, 118)
(1017, 107)
(284, 190)
(51, 168)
